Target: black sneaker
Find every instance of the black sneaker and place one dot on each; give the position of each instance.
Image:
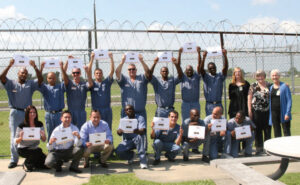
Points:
(156, 162)
(205, 159)
(103, 165)
(185, 158)
(12, 165)
(195, 151)
(58, 169)
(76, 170)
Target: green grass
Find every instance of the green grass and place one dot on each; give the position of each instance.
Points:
(291, 178)
(129, 178)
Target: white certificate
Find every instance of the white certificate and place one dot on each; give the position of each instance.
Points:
(21, 60)
(214, 51)
(128, 125)
(190, 47)
(52, 63)
(64, 135)
(161, 123)
(75, 63)
(218, 125)
(32, 133)
(101, 54)
(164, 56)
(196, 132)
(242, 132)
(98, 138)
(132, 57)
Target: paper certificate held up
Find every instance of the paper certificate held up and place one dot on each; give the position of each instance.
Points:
(52, 63)
(190, 47)
(128, 125)
(21, 60)
(75, 63)
(196, 132)
(214, 51)
(132, 57)
(218, 125)
(31, 133)
(98, 138)
(63, 135)
(101, 54)
(164, 56)
(243, 132)
(161, 123)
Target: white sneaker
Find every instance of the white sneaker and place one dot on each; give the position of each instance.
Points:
(143, 166)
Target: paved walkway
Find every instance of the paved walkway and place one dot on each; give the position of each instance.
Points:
(178, 171)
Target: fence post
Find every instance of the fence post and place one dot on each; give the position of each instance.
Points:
(41, 96)
(263, 63)
(255, 60)
(224, 83)
(292, 71)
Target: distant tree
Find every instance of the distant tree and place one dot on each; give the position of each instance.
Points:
(290, 72)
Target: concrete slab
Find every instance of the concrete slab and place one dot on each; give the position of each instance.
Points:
(12, 178)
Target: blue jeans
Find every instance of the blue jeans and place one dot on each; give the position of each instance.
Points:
(78, 117)
(124, 149)
(15, 118)
(171, 149)
(186, 107)
(52, 121)
(235, 143)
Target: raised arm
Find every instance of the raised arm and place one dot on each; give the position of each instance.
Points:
(112, 65)
(152, 68)
(89, 75)
(37, 71)
(119, 68)
(179, 55)
(199, 60)
(89, 70)
(5, 71)
(146, 69)
(178, 68)
(63, 72)
(225, 68)
(42, 67)
(202, 71)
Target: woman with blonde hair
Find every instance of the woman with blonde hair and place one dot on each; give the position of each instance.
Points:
(238, 93)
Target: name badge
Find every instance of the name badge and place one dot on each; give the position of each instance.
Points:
(96, 89)
(278, 93)
(14, 91)
(164, 133)
(127, 85)
(73, 88)
(241, 88)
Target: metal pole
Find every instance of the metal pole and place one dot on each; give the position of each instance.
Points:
(263, 63)
(224, 83)
(293, 71)
(95, 29)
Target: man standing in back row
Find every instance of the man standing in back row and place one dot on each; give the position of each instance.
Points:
(19, 97)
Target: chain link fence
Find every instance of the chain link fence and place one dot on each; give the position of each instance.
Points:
(251, 47)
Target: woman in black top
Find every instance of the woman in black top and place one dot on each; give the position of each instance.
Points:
(35, 158)
(238, 93)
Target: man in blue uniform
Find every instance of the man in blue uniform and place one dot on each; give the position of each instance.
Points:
(167, 140)
(213, 83)
(133, 140)
(54, 100)
(100, 90)
(190, 89)
(19, 97)
(164, 88)
(76, 95)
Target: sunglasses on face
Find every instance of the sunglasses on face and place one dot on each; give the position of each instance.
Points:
(131, 69)
(77, 73)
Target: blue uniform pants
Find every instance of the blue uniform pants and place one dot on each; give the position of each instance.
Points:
(187, 145)
(52, 121)
(235, 143)
(78, 117)
(15, 118)
(186, 107)
(171, 149)
(124, 149)
(163, 112)
(214, 144)
(106, 115)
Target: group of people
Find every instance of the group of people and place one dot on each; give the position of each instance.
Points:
(259, 105)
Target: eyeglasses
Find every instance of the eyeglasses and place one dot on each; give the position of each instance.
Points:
(75, 73)
(131, 69)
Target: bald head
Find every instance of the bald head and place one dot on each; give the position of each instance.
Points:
(217, 113)
(51, 78)
(194, 115)
(22, 75)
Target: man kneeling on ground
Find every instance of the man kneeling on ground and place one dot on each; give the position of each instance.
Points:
(164, 139)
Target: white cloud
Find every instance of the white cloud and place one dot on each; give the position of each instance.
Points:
(263, 2)
(10, 12)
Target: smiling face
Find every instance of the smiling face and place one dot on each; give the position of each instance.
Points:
(66, 119)
(189, 71)
(51, 78)
(32, 114)
(95, 118)
(98, 75)
(76, 73)
(275, 77)
(173, 117)
(212, 69)
(260, 78)
(238, 74)
(194, 115)
(239, 118)
(129, 111)
(217, 113)
(164, 71)
(132, 71)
